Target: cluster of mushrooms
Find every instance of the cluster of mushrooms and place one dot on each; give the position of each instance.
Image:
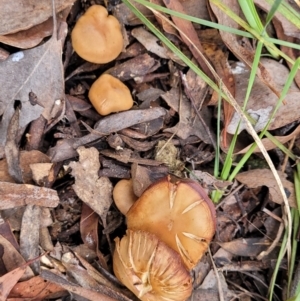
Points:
(97, 38)
(172, 223)
(169, 229)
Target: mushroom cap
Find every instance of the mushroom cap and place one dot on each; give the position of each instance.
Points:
(97, 36)
(123, 195)
(108, 95)
(150, 269)
(179, 214)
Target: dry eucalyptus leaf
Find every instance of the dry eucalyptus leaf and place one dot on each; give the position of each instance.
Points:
(29, 236)
(262, 100)
(26, 158)
(245, 246)
(22, 14)
(119, 121)
(94, 191)
(149, 41)
(12, 148)
(189, 35)
(189, 123)
(242, 49)
(38, 70)
(8, 281)
(28, 38)
(268, 144)
(136, 67)
(31, 37)
(264, 177)
(89, 294)
(12, 258)
(289, 28)
(36, 288)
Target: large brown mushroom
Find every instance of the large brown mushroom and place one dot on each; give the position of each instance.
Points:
(97, 36)
(179, 214)
(150, 269)
(108, 95)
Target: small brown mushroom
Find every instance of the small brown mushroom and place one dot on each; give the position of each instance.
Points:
(108, 95)
(97, 36)
(179, 214)
(123, 195)
(150, 269)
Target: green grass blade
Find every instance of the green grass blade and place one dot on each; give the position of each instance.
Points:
(276, 268)
(251, 15)
(288, 12)
(213, 25)
(172, 47)
(217, 156)
(272, 11)
(279, 103)
(245, 25)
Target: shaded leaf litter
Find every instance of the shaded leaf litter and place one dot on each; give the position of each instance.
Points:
(60, 159)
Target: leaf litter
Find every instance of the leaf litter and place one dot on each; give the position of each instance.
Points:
(170, 129)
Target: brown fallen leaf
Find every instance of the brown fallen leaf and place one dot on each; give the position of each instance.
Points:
(12, 148)
(8, 281)
(268, 144)
(241, 49)
(249, 247)
(134, 68)
(210, 289)
(26, 158)
(141, 146)
(127, 17)
(149, 41)
(31, 37)
(125, 156)
(36, 288)
(29, 236)
(143, 176)
(7, 233)
(116, 122)
(38, 70)
(14, 195)
(94, 191)
(262, 100)
(83, 292)
(189, 123)
(12, 259)
(188, 29)
(23, 14)
(214, 49)
(89, 222)
(264, 177)
(289, 28)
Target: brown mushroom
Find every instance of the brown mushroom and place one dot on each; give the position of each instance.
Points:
(150, 269)
(123, 195)
(179, 214)
(108, 95)
(97, 36)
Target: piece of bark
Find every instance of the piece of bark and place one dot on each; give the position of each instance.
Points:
(13, 195)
